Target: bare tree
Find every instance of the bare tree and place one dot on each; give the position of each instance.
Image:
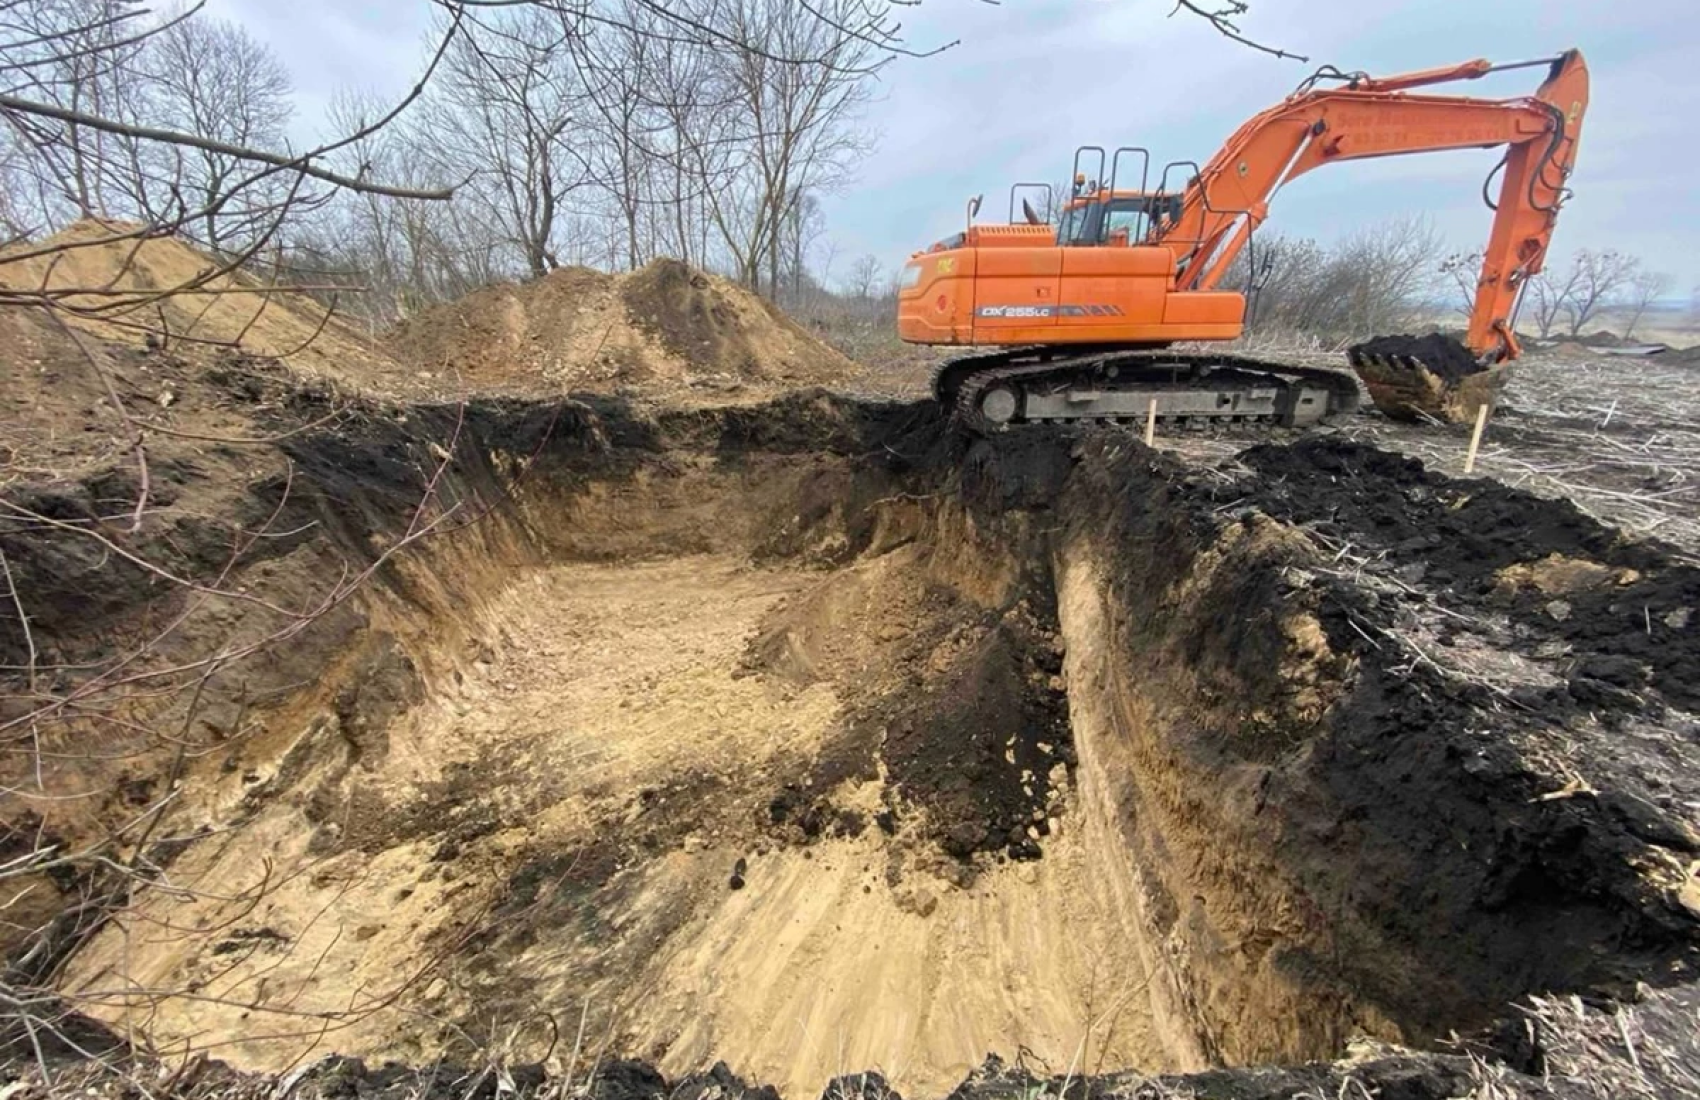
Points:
(502, 117)
(796, 132)
(1645, 288)
(1574, 294)
(865, 276)
(1371, 283)
(211, 78)
(692, 157)
(1286, 281)
(80, 57)
(615, 65)
(1594, 281)
(1461, 272)
(1393, 274)
(89, 139)
(1546, 299)
(406, 253)
(17, 221)
(804, 225)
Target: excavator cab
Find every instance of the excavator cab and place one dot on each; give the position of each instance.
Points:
(1101, 211)
(1108, 217)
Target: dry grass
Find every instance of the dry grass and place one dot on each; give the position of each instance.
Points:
(1619, 438)
(1623, 1051)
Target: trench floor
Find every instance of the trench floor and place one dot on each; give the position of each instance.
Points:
(544, 844)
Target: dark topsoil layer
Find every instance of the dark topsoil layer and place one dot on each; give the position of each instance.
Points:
(1452, 537)
(1576, 1056)
(1432, 804)
(1443, 355)
(1418, 781)
(973, 744)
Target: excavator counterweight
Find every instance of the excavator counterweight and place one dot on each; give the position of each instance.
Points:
(1082, 313)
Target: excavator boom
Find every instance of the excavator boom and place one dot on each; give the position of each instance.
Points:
(1369, 117)
(1139, 268)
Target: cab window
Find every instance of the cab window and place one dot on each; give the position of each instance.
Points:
(1067, 226)
(1080, 225)
(1128, 215)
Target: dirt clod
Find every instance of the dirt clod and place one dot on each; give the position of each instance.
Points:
(1442, 355)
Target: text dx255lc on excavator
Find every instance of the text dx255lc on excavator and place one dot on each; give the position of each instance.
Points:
(1084, 309)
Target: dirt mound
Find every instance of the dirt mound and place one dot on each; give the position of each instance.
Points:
(1623, 608)
(661, 327)
(124, 280)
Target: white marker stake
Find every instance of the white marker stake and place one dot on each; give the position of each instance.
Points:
(1476, 438)
(1151, 423)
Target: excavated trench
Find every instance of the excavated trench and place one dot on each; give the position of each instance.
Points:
(797, 738)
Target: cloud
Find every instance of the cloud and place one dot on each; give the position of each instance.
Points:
(330, 45)
(1032, 79)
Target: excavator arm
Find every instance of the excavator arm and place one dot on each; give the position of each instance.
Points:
(1376, 117)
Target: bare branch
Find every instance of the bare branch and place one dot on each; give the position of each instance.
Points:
(302, 164)
(1222, 18)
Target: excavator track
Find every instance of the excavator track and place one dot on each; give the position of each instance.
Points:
(1024, 386)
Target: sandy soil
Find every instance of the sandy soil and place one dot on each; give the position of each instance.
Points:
(664, 329)
(591, 701)
(124, 283)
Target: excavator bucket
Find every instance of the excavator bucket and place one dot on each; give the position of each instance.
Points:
(1427, 377)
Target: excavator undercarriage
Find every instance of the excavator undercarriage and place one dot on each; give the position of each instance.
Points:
(1187, 389)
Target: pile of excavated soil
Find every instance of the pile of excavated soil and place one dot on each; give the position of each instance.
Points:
(665, 330)
(144, 291)
(663, 327)
(1578, 586)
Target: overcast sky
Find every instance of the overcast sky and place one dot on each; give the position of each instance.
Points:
(1031, 79)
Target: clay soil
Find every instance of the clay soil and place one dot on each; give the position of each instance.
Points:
(795, 733)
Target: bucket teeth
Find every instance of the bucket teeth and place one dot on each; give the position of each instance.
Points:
(1407, 386)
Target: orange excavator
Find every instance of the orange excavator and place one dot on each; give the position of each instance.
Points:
(1085, 313)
